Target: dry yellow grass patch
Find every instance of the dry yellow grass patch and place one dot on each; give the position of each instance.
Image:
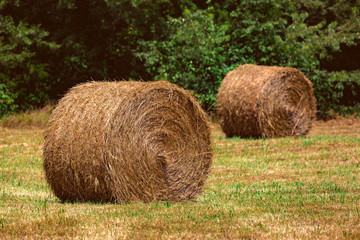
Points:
(287, 188)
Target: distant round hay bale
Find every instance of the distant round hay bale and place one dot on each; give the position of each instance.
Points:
(263, 101)
(127, 141)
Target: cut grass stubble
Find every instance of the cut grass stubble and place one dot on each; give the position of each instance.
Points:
(258, 188)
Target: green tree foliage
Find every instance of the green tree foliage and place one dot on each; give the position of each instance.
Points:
(337, 92)
(196, 54)
(201, 48)
(23, 73)
(97, 38)
(6, 101)
(340, 11)
(48, 46)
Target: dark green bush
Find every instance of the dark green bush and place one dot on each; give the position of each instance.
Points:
(196, 54)
(24, 75)
(202, 46)
(337, 92)
(6, 101)
(173, 40)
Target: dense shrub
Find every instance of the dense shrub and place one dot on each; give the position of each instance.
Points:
(196, 54)
(204, 45)
(337, 92)
(47, 46)
(24, 74)
(6, 101)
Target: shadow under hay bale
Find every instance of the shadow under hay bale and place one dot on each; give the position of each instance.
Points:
(127, 141)
(264, 101)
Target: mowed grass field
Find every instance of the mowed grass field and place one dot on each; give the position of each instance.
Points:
(287, 188)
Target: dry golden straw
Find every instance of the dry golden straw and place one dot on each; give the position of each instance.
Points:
(127, 141)
(263, 101)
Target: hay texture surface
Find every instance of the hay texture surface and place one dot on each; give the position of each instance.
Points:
(127, 141)
(263, 101)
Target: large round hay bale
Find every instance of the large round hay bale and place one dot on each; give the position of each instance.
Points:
(263, 101)
(127, 141)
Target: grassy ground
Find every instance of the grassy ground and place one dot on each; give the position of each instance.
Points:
(304, 188)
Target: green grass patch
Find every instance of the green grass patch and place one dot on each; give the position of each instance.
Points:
(301, 188)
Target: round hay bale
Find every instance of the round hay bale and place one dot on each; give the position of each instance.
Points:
(127, 141)
(263, 101)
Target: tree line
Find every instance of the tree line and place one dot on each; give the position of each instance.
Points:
(48, 46)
